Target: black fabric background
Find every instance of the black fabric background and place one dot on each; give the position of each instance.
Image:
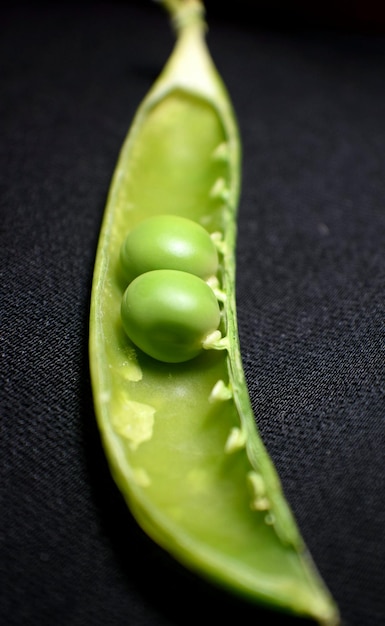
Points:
(310, 102)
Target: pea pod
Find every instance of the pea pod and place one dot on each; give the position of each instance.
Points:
(181, 438)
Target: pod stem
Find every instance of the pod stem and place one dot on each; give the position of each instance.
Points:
(184, 12)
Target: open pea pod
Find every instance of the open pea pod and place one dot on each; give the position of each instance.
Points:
(181, 438)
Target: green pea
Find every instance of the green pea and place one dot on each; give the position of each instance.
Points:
(169, 242)
(181, 437)
(169, 314)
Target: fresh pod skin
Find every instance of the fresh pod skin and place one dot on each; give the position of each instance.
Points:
(222, 512)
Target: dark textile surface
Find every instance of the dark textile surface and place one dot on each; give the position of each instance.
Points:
(310, 285)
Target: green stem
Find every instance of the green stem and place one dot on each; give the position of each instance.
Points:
(184, 12)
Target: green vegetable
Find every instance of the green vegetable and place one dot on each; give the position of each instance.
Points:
(170, 314)
(181, 438)
(169, 242)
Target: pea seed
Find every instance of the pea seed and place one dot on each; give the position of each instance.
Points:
(169, 242)
(168, 314)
